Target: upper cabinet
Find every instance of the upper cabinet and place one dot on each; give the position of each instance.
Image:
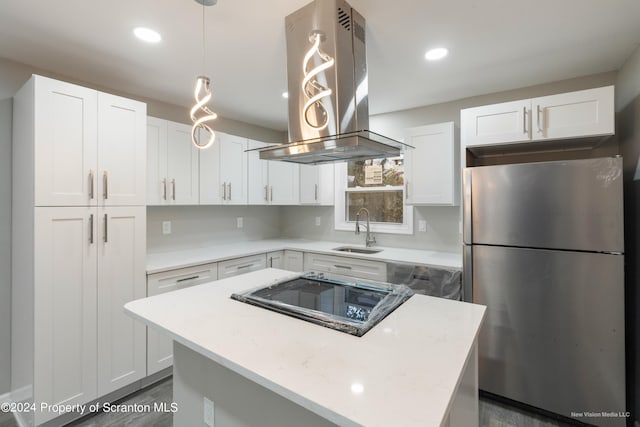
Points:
(89, 146)
(432, 174)
(172, 171)
(223, 171)
(317, 184)
(271, 182)
(569, 115)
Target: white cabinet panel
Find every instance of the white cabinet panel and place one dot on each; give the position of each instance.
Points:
(159, 347)
(317, 184)
(272, 182)
(182, 166)
(156, 161)
(65, 137)
(121, 279)
(258, 176)
(570, 115)
(354, 267)
(293, 260)
(237, 266)
(275, 259)
(432, 168)
(493, 124)
(223, 171)
(121, 151)
(65, 306)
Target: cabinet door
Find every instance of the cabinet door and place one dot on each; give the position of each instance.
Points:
(160, 347)
(574, 114)
(182, 166)
(233, 169)
(121, 279)
(317, 184)
(121, 151)
(284, 183)
(257, 176)
(210, 186)
(65, 306)
(496, 124)
(237, 266)
(293, 261)
(432, 167)
(156, 161)
(275, 259)
(65, 134)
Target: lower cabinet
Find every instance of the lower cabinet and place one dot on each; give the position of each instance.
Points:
(159, 347)
(293, 260)
(346, 266)
(237, 266)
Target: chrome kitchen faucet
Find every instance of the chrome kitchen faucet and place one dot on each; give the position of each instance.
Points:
(370, 240)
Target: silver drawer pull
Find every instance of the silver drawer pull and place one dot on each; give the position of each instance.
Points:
(244, 266)
(348, 267)
(187, 278)
(106, 229)
(91, 195)
(105, 185)
(91, 228)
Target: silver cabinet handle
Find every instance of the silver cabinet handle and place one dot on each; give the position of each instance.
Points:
(348, 267)
(406, 189)
(316, 192)
(173, 185)
(266, 193)
(106, 230)
(229, 190)
(91, 179)
(187, 278)
(524, 119)
(240, 267)
(271, 193)
(91, 229)
(105, 185)
(270, 261)
(224, 191)
(538, 111)
(164, 189)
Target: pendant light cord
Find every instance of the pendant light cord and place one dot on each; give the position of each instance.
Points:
(203, 42)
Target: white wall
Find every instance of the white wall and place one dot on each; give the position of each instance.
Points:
(5, 245)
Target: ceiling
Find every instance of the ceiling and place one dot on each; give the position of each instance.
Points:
(494, 45)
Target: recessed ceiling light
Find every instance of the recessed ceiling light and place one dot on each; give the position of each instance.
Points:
(285, 95)
(147, 34)
(435, 54)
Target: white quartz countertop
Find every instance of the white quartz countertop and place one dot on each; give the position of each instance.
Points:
(165, 261)
(403, 372)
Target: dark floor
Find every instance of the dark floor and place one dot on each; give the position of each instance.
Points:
(492, 413)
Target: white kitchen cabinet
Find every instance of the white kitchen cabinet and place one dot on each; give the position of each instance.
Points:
(317, 184)
(432, 168)
(160, 347)
(63, 335)
(223, 171)
(121, 278)
(275, 259)
(272, 182)
(72, 270)
(121, 151)
(237, 266)
(568, 115)
(293, 260)
(346, 266)
(172, 173)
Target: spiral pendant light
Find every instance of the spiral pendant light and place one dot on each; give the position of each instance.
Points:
(311, 87)
(200, 113)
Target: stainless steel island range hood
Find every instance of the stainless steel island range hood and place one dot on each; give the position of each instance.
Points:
(328, 90)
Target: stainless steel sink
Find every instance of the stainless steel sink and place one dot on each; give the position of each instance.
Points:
(357, 250)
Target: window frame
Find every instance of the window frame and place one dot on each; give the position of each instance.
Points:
(340, 221)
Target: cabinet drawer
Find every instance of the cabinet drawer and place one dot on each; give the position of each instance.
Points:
(354, 267)
(236, 266)
(167, 281)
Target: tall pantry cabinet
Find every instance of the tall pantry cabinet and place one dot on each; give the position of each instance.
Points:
(79, 230)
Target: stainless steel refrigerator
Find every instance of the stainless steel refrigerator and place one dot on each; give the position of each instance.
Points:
(544, 251)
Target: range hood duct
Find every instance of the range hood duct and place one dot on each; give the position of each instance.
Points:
(328, 89)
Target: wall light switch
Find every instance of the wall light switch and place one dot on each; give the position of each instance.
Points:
(422, 226)
(166, 227)
(208, 412)
(240, 222)
(317, 221)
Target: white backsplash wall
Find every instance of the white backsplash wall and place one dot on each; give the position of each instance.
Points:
(5, 245)
(442, 228)
(193, 226)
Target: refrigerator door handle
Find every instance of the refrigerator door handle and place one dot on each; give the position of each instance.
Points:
(466, 207)
(467, 273)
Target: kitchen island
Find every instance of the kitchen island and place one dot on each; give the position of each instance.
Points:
(417, 367)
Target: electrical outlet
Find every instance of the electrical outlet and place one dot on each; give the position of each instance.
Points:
(166, 227)
(422, 226)
(208, 412)
(317, 221)
(240, 222)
